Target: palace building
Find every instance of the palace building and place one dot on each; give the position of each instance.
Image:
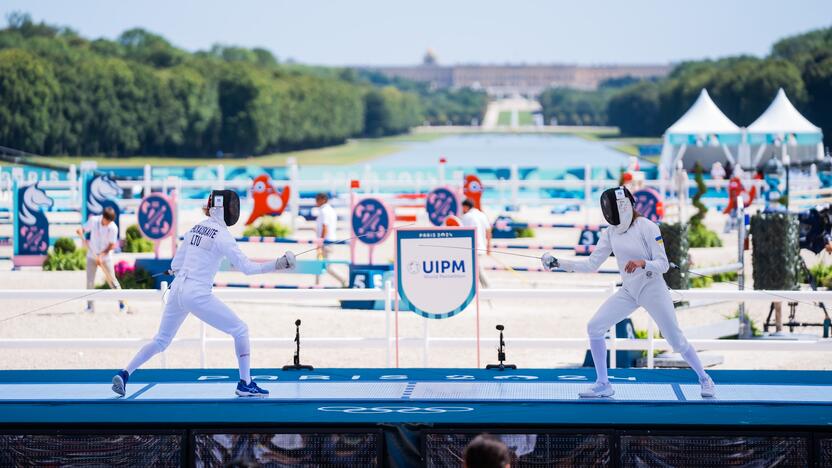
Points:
(511, 79)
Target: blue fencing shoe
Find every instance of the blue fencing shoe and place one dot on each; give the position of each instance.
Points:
(120, 382)
(250, 390)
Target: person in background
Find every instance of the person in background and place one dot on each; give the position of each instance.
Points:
(472, 217)
(325, 230)
(717, 171)
(486, 451)
(103, 239)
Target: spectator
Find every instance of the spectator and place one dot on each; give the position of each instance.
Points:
(103, 238)
(472, 217)
(325, 230)
(717, 171)
(729, 169)
(486, 451)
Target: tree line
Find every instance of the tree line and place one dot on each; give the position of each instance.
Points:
(61, 93)
(742, 87)
(462, 106)
(567, 106)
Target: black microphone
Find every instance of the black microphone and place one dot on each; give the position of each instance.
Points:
(296, 359)
(501, 354)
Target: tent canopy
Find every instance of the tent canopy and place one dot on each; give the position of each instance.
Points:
(780, 121)
(702, 122)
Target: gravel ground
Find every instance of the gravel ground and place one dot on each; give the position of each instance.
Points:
(522, 318)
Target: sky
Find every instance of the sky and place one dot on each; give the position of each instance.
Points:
(391, 32)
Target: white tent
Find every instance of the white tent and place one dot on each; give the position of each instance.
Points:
(782, 125)
(703, 124)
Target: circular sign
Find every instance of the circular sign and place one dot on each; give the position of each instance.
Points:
(648, 202)
(453, 221)
(155, 216)
(441, 203)
(370, 221)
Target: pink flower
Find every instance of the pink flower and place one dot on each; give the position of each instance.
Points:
(123, 267)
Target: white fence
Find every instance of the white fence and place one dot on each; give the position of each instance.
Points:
(375, 181)
(388, 340)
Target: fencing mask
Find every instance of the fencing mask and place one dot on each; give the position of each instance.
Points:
(617, 207)
(226, 202)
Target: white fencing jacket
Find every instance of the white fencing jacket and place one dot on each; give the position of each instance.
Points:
(643, 241)
(201, 252)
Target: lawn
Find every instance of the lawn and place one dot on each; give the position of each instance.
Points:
(504, 118)
(525, 119)
(627, 145)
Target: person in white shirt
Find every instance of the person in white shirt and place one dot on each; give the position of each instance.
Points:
(194, 266)
(103, 239)
(717, 171)
(472, 217)
(639, 251)
(325, 229)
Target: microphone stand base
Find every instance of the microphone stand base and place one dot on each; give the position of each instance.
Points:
(500, 367)
(298, 367)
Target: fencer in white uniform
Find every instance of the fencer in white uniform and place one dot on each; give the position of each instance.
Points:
(639, 251)
(195, 264)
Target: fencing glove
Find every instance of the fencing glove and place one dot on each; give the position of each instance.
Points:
(549, 262)
(286, 262)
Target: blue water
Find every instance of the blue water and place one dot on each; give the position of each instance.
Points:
(500, 150)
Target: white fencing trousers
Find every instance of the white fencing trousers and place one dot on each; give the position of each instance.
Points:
(650, 293)
(188, 296)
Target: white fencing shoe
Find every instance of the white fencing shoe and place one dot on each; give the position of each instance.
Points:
(599, 390)
(708, 387)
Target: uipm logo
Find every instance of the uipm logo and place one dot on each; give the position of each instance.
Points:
(432, 267)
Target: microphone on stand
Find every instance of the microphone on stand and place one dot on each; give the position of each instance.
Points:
(501, 354)
(297, 365)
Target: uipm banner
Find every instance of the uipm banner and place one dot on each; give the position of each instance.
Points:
(436, 269)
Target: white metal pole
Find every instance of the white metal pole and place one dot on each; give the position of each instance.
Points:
(425, 342)
(294, 192)
(515, 187)
(221, 176)
(745, 326)
(202, 347)
(388, 309)
(651, 344)
(163, 286)
(441, 171)
(146, 180)
(587, 191)
(73, 184)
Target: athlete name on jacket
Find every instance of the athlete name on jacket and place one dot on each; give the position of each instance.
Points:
(200, 231)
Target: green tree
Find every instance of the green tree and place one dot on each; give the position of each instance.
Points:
(802, 48)
(28, 92)
(635, 110)
(152, 49)
(250, 107)
(817, 76)
(575, 107)
(744, 89)
(197, 97)
(390, 111)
